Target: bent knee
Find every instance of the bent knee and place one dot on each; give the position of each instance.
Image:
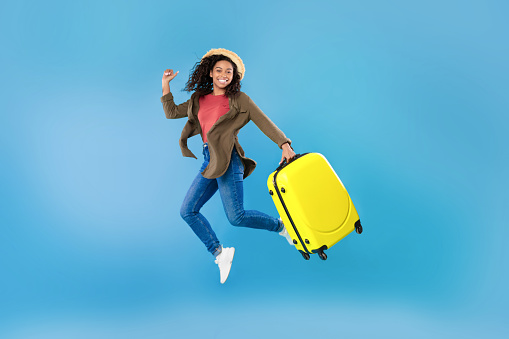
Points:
(237, 219)
(185, 212)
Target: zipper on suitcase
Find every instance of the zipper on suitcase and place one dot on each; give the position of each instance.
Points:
(286, 209)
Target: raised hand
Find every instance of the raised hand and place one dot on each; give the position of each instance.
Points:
(169, 75)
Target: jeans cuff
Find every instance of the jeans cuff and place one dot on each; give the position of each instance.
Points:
(217, 251)
(281, 225)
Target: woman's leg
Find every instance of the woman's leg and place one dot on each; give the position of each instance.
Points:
(201, 190)
(231, 189)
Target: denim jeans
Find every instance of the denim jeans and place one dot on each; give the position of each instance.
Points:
(231, 189)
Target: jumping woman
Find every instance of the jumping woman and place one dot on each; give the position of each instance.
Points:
(217, 110)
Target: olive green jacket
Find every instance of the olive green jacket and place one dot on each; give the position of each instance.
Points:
(222, 136)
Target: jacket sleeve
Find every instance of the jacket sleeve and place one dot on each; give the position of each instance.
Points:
(266, 125)
(171, 110)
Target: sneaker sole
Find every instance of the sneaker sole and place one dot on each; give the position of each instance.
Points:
(231, 262)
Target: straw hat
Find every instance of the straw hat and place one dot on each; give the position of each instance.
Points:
(234, 57)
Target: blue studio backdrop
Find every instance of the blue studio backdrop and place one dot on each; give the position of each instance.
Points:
(406, 99)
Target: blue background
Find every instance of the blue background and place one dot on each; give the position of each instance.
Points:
(407, 100)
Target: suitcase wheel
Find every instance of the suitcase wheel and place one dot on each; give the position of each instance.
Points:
(322, 255)
(358, 227)
(305, 255)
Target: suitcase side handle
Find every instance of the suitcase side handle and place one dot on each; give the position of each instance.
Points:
(285, 163)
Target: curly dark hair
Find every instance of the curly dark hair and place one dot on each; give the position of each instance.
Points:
(201, 82)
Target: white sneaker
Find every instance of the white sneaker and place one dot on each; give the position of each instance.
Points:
(285, 234)
(224, 261)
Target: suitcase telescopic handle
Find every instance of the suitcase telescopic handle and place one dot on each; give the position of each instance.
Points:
(285, 163)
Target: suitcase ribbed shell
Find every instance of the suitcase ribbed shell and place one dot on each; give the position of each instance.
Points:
(312, 202)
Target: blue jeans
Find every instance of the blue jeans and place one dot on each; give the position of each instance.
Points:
(231, 189)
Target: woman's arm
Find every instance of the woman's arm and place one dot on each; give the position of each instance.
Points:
(266, 125)
(271, 130)
(167, 77)
(171, 110)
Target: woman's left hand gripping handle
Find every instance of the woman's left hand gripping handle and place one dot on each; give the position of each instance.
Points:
(288, 153)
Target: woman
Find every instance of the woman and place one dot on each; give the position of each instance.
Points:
(217, 110)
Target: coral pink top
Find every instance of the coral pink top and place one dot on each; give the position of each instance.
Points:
(212, 107)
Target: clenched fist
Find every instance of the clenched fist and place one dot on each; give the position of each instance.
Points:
(169, 75)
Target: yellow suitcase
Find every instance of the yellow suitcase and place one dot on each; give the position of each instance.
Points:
(313, 204)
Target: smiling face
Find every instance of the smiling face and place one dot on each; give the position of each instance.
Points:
(222, 75)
